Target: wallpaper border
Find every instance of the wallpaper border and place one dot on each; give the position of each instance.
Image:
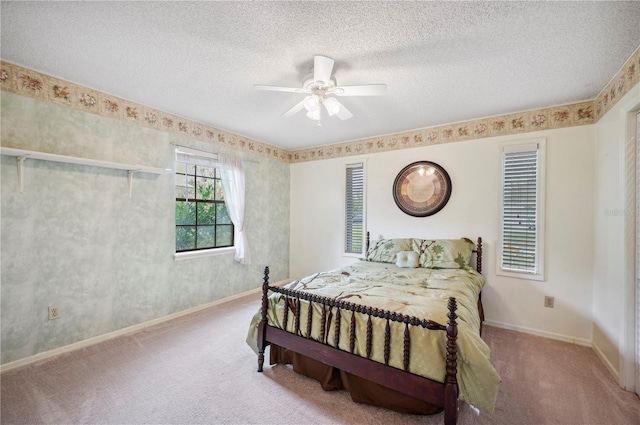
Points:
(553, 117)
(26, 82)
(624, 80)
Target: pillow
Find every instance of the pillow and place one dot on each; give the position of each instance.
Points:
(385, 250)
(444, 253)
(409, 259)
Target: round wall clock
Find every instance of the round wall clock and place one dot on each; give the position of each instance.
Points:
(422, 189)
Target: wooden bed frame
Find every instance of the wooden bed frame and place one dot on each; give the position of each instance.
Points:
(443, 395)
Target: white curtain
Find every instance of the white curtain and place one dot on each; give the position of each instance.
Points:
(232, 171)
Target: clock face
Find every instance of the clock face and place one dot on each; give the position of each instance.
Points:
(422, 189)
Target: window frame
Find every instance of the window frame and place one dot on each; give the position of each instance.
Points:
(539, 145)
(208, 160)
(345, 224)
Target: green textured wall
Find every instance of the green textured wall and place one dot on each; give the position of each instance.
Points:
(74, 239)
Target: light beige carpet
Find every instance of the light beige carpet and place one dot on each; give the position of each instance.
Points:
(198, 370)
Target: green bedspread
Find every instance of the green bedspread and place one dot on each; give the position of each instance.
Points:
(419, 292)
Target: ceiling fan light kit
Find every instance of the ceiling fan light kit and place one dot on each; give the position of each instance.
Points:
(311, 103)
(319, 91)
(331, 105)
(314, 115)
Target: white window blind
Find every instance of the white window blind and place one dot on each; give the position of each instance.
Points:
(192, 156)
(521, 209)
(354, 209)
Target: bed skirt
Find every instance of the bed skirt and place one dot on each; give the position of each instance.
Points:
(361, 390)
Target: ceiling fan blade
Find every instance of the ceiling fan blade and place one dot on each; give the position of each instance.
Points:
(297, 108)
(361, 90)
(322, 68)
(278, 88)
(343, 113)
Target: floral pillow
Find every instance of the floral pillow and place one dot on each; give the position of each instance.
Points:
(444, 253)
(385, 250)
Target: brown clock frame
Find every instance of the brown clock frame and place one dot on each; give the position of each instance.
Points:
(432, 194)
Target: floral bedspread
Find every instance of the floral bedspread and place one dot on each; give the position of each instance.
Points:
(419, 292)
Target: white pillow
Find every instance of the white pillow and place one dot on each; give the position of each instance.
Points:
(407, 259)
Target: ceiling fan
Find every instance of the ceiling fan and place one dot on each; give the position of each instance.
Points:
(320, 90)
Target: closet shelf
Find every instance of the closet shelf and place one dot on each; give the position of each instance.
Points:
(21, 155)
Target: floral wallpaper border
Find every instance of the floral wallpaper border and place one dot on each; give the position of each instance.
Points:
(626, 78)
(26, 82)
(33, 84)
(581, 113)
(523, 122)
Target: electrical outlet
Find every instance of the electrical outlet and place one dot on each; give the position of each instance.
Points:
(54, 312)
(548, 301)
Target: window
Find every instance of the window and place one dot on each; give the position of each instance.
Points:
(354, 209)
(202, 220)
(522, 206)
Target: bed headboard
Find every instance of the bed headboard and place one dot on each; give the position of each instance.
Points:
(477, 250)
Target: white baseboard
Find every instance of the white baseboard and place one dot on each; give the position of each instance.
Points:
(606, 361)
(550, 335)
(124, 331)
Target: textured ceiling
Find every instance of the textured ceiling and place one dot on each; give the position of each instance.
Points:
(442, 62)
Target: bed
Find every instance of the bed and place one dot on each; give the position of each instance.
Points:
(400, 330)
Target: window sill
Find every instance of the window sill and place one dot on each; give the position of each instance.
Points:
(520, 275)
(203, 253)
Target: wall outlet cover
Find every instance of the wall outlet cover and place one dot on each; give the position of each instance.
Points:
(54, 312)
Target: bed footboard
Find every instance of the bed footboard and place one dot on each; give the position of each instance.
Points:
(444, 394)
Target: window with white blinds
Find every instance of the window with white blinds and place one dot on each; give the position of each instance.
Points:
(522, 218)
(354, 209)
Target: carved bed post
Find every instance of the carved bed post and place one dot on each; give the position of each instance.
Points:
(262, 326)
(479, 256)
(479, 269)
(451, 382)
(366, 248)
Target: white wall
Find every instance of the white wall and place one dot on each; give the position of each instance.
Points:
(474, 167)
(609, 237)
